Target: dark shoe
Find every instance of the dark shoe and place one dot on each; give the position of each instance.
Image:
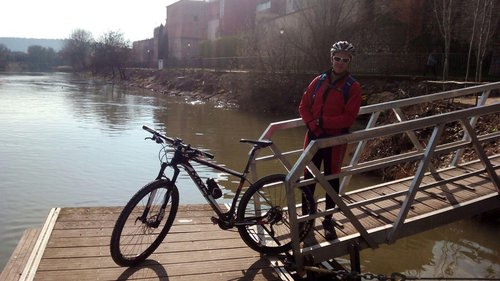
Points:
(329, 230)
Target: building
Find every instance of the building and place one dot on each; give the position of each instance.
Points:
(381, 30)
(187, 22)
(236, 16)
(143, 53)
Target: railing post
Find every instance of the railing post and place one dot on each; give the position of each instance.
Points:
(422, 167)
(482, 155)
(473, 121)
(294, 226)
(277, 153)
(343, 207)
(290, 182)
(359, 149)
(355, 259)
(416, 143)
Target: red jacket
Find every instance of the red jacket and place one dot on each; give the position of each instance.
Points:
(335, 114)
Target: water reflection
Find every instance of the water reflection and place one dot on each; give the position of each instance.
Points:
(450, 251)
(109, 106)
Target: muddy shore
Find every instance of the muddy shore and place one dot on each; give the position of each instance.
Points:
(264, 92)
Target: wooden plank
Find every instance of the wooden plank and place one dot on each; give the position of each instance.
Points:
(111, 215)
(317, 233)
(19, 258)
(337, 216)
(85, 241)
(386, 209)
(118, 209)
(191, 250)
(166, 256)
(39, 248)
(415, 209)
(423, 202)
(479, 180)
(231, 269)
(198, 225)
(456, 194)
(165, 247)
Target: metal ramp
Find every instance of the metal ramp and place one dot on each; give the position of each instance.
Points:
(385, 212)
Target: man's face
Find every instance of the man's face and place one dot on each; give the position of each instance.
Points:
(340, 62)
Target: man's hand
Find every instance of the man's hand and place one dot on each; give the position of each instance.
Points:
(315, 128)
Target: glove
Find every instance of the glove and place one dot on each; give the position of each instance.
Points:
(314, 128)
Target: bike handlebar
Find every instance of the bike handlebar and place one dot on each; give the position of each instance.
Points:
(178, 142)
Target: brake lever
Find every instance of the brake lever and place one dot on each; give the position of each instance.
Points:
(157, 139)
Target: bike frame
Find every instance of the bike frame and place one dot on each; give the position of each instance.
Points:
(180, 159)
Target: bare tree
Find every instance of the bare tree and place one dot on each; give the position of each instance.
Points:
(471, 43)
(300, 41)
(77, 49)
(111, 52)
(443, 14)
(321, 23)
(5, 54)
(484, 36)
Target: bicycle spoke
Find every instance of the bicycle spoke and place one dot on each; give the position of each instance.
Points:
(133, 239)
(267, 199)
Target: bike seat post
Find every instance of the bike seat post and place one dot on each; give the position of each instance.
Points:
(251, 156)
(256, 145)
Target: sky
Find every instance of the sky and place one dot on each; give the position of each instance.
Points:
(57, 19)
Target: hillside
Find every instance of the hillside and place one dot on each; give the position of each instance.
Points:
(22, 44)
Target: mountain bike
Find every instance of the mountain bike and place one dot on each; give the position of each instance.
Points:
(260, 215)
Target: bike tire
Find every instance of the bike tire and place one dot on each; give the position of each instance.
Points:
(270, 193)
(132, 240)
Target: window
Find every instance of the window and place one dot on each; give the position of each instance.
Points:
(264, 6)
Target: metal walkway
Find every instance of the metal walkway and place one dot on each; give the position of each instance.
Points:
(385, 212)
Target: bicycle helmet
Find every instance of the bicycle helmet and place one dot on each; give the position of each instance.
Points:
(342, 46)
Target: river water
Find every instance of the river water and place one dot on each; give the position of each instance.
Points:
(67, 141)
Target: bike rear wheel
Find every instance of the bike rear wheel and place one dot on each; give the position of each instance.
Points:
(137, 232)
(263, 210)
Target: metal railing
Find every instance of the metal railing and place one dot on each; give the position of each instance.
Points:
(412, 64)
(422, 153)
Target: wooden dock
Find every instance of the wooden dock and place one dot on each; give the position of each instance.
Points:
(74, 242)
(75, 246)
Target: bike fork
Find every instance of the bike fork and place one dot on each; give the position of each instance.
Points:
(152, 196)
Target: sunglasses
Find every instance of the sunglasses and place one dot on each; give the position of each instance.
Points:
(338, 59)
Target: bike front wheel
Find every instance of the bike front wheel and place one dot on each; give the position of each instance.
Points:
(263, 217)
(144, 223)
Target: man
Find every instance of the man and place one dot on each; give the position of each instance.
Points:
(431, 64)
(329, 107)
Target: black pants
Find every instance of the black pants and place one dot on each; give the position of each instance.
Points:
(322, 156)
(431, 68)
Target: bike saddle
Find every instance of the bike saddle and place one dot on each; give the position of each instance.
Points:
(258, 143)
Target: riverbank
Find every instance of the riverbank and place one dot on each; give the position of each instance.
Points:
(280, 95)
(271, 93)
